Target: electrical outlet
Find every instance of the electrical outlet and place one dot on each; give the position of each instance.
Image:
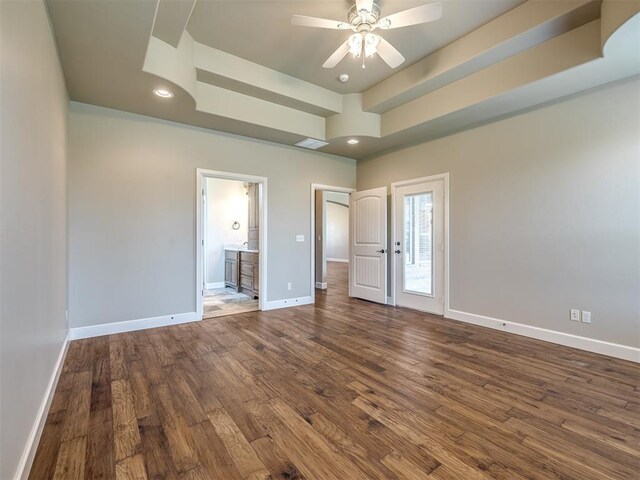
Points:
(586, 317)
(288, 286)
(574, 315)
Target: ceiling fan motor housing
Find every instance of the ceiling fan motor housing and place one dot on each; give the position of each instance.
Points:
(364, 21)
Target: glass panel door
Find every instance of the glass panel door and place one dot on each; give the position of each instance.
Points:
(418, 244)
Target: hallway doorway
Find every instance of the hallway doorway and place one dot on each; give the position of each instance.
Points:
(330, 234)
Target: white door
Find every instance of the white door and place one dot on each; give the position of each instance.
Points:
(419, 246)
(368, 258)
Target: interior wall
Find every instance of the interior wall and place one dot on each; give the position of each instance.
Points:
(544, 213)
(132, 200)
(33, 238)
(337, 226)
(227, 202)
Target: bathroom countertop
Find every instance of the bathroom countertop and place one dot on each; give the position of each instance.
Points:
(239, 248)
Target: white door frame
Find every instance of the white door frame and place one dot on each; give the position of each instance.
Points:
(394, 186)
(312, 239)
(201, 175)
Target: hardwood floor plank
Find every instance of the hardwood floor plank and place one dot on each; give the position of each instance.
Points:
(131, 468)
(125, 426)
(244, 457)
(71, 459)
(100, 458)
(279, 465)
(404, 468)
(77, 423)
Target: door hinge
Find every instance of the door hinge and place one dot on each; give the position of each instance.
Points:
(203, 243)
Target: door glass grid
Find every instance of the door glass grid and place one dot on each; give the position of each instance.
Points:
(418, 243)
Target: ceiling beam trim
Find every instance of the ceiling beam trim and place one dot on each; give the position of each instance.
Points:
(266, 83)
(171, 20)
(524, 27)
(226, 103)
(574, 48)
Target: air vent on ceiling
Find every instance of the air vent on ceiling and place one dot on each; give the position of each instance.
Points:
(311, 143)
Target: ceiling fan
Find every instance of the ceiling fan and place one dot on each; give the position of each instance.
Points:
(364, 19)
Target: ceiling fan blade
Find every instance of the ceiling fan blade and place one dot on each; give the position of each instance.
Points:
(389, 54)
(305, 21)
(413, 16)
(337, 56)
(364, 5)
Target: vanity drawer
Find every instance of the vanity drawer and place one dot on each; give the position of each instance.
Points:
(250, 257)
(246, 268)
(246, 281)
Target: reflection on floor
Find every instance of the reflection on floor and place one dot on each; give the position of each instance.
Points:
(226, 301)
(337, 280)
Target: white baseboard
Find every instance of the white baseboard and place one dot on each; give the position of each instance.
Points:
(212, 285)
(131, 325)
(321, 285)
(29, 452)
(287, 302)
(583, 343)
(341, 260)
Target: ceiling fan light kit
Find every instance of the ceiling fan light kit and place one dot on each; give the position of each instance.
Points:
(364, 18)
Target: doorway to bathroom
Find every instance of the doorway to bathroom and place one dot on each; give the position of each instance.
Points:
(231, 240)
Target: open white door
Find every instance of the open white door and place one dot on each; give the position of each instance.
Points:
(368, 258)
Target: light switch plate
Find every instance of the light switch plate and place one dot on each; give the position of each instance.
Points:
(586, 317)
(299, 238)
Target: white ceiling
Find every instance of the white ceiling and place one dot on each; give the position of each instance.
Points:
(260, 31)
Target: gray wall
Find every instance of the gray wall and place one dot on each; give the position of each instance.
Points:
(227, 202)
(545, 213)
(33, 242)
(337, 226)
(132, 184)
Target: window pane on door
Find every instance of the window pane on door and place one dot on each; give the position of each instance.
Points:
(418, 239)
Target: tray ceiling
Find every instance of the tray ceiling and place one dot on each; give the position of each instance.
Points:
(240, 67)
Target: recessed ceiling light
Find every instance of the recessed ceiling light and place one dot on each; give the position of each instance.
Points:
(353, 141)
(162, 93)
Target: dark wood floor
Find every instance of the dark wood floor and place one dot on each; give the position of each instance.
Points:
(341, 390)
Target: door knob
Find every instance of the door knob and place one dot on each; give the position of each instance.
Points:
(380, 251)
(397, 251)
